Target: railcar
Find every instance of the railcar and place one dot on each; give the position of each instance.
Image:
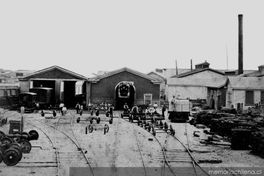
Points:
(28, 100)
(44, 96)
(179, 110)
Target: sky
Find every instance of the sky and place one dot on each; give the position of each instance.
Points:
(93, 35)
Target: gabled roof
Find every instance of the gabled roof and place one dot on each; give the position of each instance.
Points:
(246, 83)
(169, 72)
(54, 67)
(157, 76)
(253, 74)
(125, 69)
(196, 71)
(212, 82)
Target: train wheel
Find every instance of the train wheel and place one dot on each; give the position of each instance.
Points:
(25, 146)
(25, 135)
(1, 157)
(98, 120)
(18, 148)
(33, 135)
(78, 119)
(165, 127)
(42, 113)
(6, 141)
(153, 132)
(2, 135)
(11, 157)
(173, 132)
(54, 113)
(106, 129)
(111, 121)
(90, 127)
(149, 128)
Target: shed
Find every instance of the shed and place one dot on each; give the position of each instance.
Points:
(123, 86)
(61, 80)
(244, 92)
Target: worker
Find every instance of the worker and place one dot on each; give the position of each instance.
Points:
(155, 105)
(163, 110)
(64, 110)
(97, 112)
(81, 110)
(77, 107)
(61, 106)
(126, 108)
(173, 103)
(111, 109)
(155, 108)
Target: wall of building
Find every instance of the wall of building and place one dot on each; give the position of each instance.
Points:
(24, 86)
(192, 92)
(163, 87)
(8, 95)
(239, 96)
(104, 90)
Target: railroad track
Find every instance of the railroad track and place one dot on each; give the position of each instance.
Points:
(172, 157)
(69, 155)
(139, 150)
(50, 164)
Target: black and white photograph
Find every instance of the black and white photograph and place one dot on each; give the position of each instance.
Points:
(131, 88)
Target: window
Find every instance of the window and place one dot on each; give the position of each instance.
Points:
(2, 93)
(147, 99)
(249, 98)
(13, 92)
(262, 97)
(19, 74)
(8, 92)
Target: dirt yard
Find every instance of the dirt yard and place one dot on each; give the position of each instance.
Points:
(63, 143)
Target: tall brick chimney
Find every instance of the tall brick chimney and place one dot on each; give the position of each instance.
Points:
(240, 44)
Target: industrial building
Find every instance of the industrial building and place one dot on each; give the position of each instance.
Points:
(61, 80)
(144, 89)
(100, 89)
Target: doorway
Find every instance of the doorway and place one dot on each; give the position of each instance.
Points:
(124, 93)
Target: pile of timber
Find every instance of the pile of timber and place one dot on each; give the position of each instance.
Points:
(257, 142)
(245, 131)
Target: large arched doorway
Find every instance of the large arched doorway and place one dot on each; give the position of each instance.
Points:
(124, 93)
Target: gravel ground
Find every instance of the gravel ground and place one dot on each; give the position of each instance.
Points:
(125, 145)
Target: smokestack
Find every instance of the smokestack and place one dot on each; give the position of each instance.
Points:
(191, 65)
(240, 44)
(176, 67)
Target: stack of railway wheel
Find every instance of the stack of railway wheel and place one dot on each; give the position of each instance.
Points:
(257, 142)
(10, 150)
